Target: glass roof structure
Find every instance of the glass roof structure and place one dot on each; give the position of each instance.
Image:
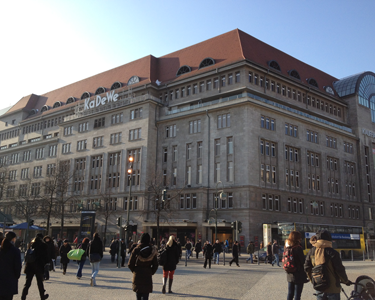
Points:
(346, 86)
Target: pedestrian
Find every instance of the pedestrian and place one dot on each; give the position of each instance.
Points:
(198, 247)
(207, 253)
(64, 250)
(123, 253)
(179, 247)
(226, 245)
(217, 250)
(188, 247)
(1, 237)
(250, 250)
(37, 267)
(143, 263)
(51, 256)
(323, 253)
(261, 246)
(10, 266)
(173, 255)
(235, 254)
(275, 252)
(113, 249)
(133, 247)
(95, 255)
(269, 253)
(84, 245)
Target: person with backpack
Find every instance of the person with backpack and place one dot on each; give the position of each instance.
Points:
(217, 250)
(198, 247)
(275, 252)
(293, 259)
(143, 264)
(38, 251)
(95, 254)
(235, 252)
(250, 250)
(173, 255)
(64, 250)
(81, 263)
(207, 253)
(324, 268)
(10, 266)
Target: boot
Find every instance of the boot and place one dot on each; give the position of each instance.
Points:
(170, 286)
(164, 285)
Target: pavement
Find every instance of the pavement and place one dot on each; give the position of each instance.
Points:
(249, 281)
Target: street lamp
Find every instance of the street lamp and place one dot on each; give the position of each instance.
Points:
(130, 173)
(216, 204)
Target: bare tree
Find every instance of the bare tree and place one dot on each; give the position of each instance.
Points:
(106, 208)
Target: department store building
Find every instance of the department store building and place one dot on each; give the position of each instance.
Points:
(285, 141)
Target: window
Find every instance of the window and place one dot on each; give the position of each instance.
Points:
(208, 85)
(165, 154)
(135, 134)
(271, 202)
(37, 171)
(81, 145)
(291, 130)
(230, 171)
(194, 200)
(348, 147)
(312, 136)
(217, 172)
(39, 153)
(174, 153)
(26, 155)
(117, 118)
(99, 122)
(115, 159)
(199, 174)
(250, 77)
(174, 179)
(188, 175)
(170, 131)
(230, 145)
(217, 147)
(68, 130)
(194, 126)
(188, 91)
(25, 173)
(238, 77)
(52, 150)
(267, 123)
(188, 151)
(223, 80)
(230, 79)
(256, 79)
(97, 142)
(223, 121)
(35, 189)
(136, 113)
(216, 83)
(331, 142)
(199, 149)
(82, 127)
(291, 154)
(95, 182)
(115, 138)
(51, 169)
(15, 158)
(13, 175)
(66, 148)
(195, 89)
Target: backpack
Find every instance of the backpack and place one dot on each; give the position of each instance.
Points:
(320, 277)
(30, 256)
(162, 256)
(289, 263)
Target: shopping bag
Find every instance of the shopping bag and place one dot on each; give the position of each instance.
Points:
(75, 254)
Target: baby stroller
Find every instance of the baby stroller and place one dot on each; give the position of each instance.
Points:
(364, 289)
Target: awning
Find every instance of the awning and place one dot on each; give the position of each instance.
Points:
(170, 224)
(219, 224)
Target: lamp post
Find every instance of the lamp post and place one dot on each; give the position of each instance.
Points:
(130, 173)
(216, 204)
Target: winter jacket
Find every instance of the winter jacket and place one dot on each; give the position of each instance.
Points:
(64, 250)
(114, 247)
(51, 250)
(275, 249)
(217, 248)
(298, 276)
(188, 246)
(41, 253)
(173, 256)
(143, 263)
(250, 248)
(208, 251)
(235, 250)
(95, 246)
(198, 247)
(10, 271)
(269, 250)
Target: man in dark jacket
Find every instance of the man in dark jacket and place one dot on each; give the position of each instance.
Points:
(217, 250)
(123, 253)
(250, 250)
(36, 268)
(188, 247)
(275, 252)
(208, 253)
(51, 255)
(114, 249)
(198, 247)
(323, 253)
(235, 254)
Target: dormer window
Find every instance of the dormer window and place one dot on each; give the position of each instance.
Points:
(294, 74)
(183, 70)
(312, 81)
(100, 90)
(133, 80)
(33, 112)
(206, 62)
(274, 65)
(70, 100)
(116, 85)
(85, 95)
(44, 108)
(57, 104)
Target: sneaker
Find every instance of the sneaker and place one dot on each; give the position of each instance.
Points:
(78, 277)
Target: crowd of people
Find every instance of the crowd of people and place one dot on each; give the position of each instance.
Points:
(145, 258)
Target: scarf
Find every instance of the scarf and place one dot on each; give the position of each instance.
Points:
(319, 251)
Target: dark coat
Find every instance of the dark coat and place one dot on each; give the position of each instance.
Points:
(123, 248)
(10, 271)
(114, 247)
(275, 249)
(298, 276)
(132, 247)
(84, 247)
(96, 246)
(217, 248)
(143, 263)
(235, 250)
(198, 247)
(64, 250)
(269, 250)
(188, 246)
(41, 252)
(173, 256)
(208, 251)
(51, 250)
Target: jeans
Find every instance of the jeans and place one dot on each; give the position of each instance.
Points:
(276, 260)
(294, 290)
(80, 267)
(320, 295)
(216, 257)
(95, 270)
(142, 296)
(188, 253)
(250, 258)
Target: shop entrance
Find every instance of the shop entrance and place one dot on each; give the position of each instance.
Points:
(223, 234)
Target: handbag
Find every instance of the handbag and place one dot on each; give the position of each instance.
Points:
(95, 257)
(75, 254)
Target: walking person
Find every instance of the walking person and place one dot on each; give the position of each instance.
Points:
(217, 250)
(188, 247)
(235, 254)
(64, 250)
(143, 263)
(10, 267)
(323, 253)
(95, 255)
(114, 249)
(51, 256)
(123, 253)
(250, 250)
(173, 255)
(81, 263)
(198, 247)
(226, 245)
(37, 267)
(269, 253)
(207, 253)
(275, 252)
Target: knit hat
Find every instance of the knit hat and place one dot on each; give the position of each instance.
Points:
(10, 235)
(145, 239)
(323, 235)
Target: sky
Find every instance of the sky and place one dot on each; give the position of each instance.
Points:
(48, 44)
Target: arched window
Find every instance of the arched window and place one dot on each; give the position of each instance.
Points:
(133, 79)
(85, 95)
(33, 112)
(206, 62)
(44, 108)
(100, 90)
(183, 70)
(312, 81)
(293, 73)
(57, 104)
(274, 65)
(116, 85)
(70, 100)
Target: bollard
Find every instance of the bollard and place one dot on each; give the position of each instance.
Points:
(258, 258)
(224, 258)
(364, 256)
(352, 255)
(186, 258)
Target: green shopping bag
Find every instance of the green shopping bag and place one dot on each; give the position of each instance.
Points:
(75, 254)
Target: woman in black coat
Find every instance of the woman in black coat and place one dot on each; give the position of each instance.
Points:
(143, 263)
(198, 247)
(208, 251)
(10, 267)
(64, 250)
(173, 256)
(95, 254)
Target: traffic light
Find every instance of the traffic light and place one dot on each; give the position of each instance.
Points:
(233, 225)
(239, 227)
(119, 221)
(125, 228)
(31, 222)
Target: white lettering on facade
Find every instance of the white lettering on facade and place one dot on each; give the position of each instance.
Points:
(368, 133)
(111, 97)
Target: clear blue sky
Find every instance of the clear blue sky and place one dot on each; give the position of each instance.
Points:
(47, 44)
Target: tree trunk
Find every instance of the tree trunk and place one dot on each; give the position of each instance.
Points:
(49, 217)
(105, 231)
(157, 228)
(62, 221)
